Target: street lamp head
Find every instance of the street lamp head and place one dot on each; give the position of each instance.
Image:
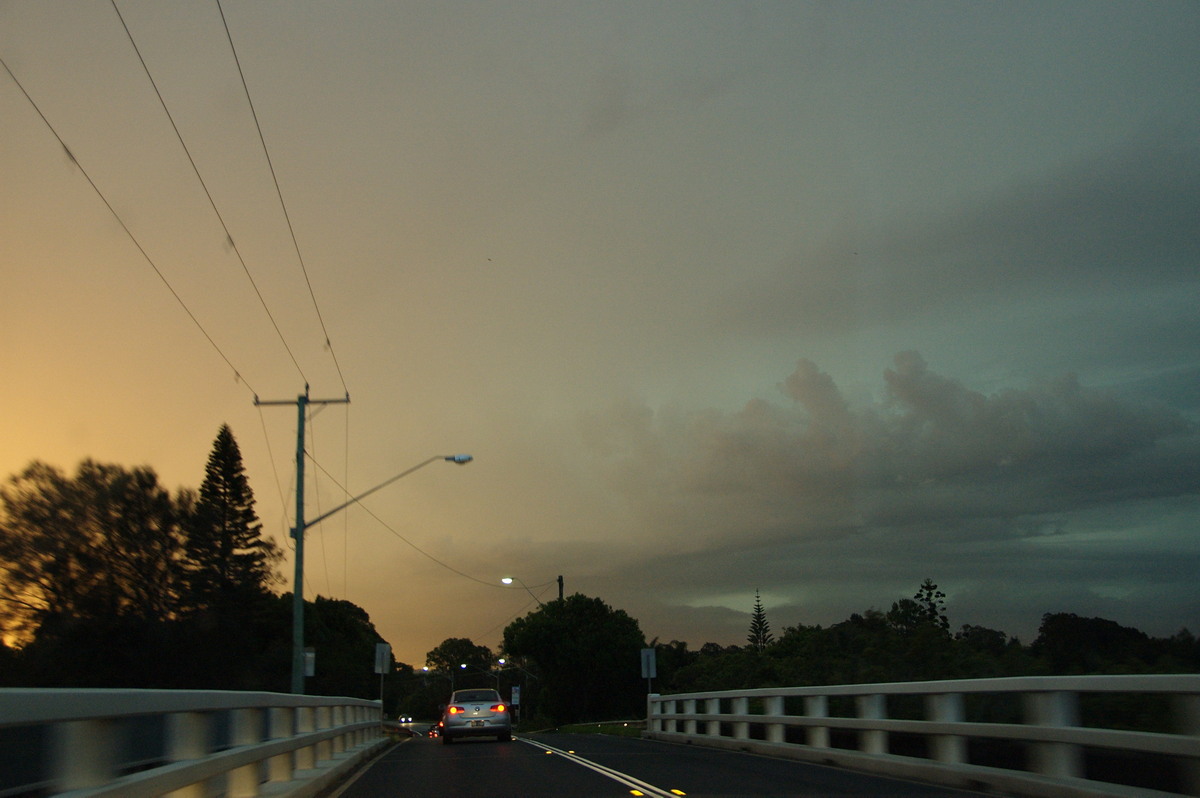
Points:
(508, 580)
(461, 459)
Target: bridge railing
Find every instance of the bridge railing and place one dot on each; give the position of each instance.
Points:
(1136, 735)
(132, 743)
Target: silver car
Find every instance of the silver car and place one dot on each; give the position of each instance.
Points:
(475, 713)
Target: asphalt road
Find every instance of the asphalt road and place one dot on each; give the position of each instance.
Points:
(599, 766)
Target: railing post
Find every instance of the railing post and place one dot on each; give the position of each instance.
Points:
(83, 754)
(306, 757)
(872, 707)
(741, 728)
(245, 729)
(712, 708)
(339, 722)
(947, 708)
(776, 732)
(653, 713)
(187, 738)
(817, 706)
(1056, 709)
(324, 749)
(281, 724)
(689, 708)
(1187, 719)
(669, 712)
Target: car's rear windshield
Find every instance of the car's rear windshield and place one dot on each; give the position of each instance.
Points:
(476, 695)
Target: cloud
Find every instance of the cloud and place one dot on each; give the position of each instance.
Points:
(1053, 490)
(1101, 226)
(931, 453)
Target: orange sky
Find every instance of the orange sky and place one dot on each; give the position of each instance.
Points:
(661, 270)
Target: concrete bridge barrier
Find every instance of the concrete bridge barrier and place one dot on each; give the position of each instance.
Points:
(187, 743)
(1134, 736)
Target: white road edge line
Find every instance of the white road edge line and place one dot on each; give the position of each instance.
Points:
(615, 775)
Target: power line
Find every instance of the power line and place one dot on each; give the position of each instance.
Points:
(389, 528)
(207, 193)
(279, 192)
(237, 374)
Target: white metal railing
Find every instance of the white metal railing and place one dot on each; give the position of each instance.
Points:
(190, 743)
(1024, 735)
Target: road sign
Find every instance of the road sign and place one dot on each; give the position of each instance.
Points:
(649, 664)
(383, 657)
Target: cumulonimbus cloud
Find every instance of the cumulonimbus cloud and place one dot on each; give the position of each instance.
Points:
(930, 452)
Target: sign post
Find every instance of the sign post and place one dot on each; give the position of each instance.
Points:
(649, 666)
(383, 660)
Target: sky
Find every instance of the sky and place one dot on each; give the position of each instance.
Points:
(815, 299)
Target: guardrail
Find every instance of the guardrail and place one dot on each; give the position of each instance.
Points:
(134, 743)
(1039, 736)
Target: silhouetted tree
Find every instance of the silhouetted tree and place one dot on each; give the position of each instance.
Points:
(106, 543)
(228, 560)
(760, 631)
(345, 640)
(451, 654)
(586, 656)
(933, 604)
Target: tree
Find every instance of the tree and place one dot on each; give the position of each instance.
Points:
(932, 602)
(452, 653)
(344, 638)
(760, 631)
(586, 656)
(104, 544)
(228, 559)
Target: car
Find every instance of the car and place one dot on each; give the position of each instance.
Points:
(475, 713)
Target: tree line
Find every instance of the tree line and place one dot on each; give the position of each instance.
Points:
(578, 659)
(913, 641)
(108, 579)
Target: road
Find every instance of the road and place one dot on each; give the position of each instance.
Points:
(600, 766)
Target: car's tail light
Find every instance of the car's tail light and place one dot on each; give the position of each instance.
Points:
(499, 708)
(455, 710)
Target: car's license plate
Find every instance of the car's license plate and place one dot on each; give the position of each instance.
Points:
(476, 723)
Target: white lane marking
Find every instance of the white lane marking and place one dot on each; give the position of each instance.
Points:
(615, 775)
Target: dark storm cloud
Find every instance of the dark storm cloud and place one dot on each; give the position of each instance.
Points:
(933, 454)
(1117, 221)
(1056, 496)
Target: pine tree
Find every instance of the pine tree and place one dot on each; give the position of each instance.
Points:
(760, 631)
(933, 605)
(228, 558)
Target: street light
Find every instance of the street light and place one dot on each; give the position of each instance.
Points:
(508, 580)
(298, 669)
(464, 666)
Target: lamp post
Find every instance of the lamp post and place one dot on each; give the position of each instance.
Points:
(464, 666)
(508, 580)
(298, 669)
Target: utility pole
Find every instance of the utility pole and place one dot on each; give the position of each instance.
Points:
(302, 402)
